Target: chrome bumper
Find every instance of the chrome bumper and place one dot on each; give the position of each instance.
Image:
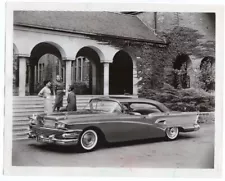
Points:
(52, 140)
(195, 127)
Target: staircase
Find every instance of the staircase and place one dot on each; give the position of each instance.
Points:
(27, 105)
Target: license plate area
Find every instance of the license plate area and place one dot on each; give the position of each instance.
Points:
(42, 139)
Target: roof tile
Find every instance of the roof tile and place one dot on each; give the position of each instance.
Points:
(89, 22)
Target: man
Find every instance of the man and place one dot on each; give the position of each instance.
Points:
(71, 99)
(59, 92)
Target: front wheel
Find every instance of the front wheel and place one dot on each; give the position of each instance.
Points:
(89, 140)
(172, 133)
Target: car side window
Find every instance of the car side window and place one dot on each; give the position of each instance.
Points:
(144, 108)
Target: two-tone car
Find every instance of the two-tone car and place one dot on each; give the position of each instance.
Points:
(111, 120)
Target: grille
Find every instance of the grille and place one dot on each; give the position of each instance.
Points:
(49, 123)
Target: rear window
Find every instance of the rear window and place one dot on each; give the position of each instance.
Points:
(144, 106)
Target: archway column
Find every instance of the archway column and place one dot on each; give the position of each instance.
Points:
(94, 78)
(68, 74)
(22, 74)
(106, 78)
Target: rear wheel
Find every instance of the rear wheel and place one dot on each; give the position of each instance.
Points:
(89, 140)
(172, 133)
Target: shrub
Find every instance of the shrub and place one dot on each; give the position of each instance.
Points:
(81, 88)
(181, 100)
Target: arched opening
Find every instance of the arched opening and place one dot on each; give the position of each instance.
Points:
(121, 74)
(45, 63)
(207, 73)
(87, 72)
(182, 69)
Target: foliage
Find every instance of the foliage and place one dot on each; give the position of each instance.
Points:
(181, 100)
(207, 76)
(81, 88)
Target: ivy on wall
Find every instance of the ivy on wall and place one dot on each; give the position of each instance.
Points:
(155, 67)
(207, 74)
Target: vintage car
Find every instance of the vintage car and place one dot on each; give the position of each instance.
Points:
(111, 120)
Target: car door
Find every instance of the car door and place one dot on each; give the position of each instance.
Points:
(145, 127)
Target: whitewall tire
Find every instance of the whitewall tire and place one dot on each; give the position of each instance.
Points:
(89, 140)
(172, 133)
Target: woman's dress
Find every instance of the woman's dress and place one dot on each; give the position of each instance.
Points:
(46, 93)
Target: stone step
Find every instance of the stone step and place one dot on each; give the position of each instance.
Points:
(15, 111)
(28, 106)
(40, 103)
(20, 135)
(26, 113)
(20, 129)
(20, 119)
(41, 99)
(35, 98)
(18, 138)
(20, 123)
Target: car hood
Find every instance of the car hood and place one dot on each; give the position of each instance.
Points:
(83, 115)
(63, 115)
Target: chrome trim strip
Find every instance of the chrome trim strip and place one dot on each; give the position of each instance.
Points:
(65, 140)
(130, 122)
(61, 130)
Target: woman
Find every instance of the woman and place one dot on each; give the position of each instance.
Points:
(71, 99)
(46, 94)
(59, 92)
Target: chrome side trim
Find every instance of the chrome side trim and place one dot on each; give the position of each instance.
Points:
(61, 130)
(98, 122)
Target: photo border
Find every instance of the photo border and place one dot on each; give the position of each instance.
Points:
(114, 172)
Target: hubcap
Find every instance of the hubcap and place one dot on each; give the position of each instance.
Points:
(89, 139)
(172, 133)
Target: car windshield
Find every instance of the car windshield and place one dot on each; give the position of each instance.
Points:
(103, 105)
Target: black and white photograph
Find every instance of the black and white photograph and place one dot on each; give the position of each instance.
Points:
(113, 88)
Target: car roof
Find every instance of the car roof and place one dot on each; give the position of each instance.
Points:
(127, 99)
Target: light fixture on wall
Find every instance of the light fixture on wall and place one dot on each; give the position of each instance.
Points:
(138, 57)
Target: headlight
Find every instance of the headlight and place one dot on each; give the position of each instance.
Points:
(60, 125)
(32, 121)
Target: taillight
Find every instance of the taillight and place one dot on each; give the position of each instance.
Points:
(196, 120)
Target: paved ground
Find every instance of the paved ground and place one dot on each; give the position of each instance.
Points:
(191, 150)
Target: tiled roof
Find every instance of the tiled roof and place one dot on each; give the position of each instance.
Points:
(95, 23)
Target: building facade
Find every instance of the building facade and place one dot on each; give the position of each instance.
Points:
(50, 43)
